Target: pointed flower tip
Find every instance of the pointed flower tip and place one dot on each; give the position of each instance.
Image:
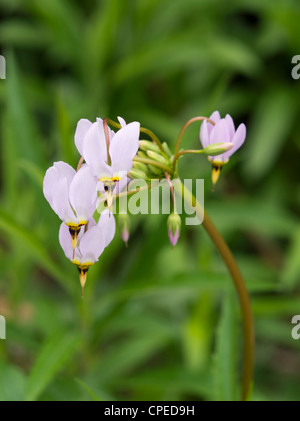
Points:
(125, 236)
(173, 238)
(124, 224)
(174, 224)
(216, 170)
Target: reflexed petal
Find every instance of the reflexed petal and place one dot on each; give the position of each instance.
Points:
(91, 245)
(83, 194)
(230, 125)
(65, 171)
(124, 146)
(204, 136)
(122, 121)
(220, 132)
(94, 150)
(82, 128)
(60, 202)
(110, 131)
(107, 224)
(53, 175)
(238, 139)
(215, 117)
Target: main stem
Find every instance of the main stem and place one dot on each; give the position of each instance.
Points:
(239, 283)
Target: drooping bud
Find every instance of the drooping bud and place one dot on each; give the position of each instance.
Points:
(174, 225)
(124, 225)
(217, 148)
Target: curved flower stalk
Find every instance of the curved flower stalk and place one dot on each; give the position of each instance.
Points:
(222, 131)
(90, 243)
(71, 195)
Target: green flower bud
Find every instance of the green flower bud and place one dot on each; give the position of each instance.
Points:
(174, 225)
(140, 166)
(138, 174)
(147, 145)
(158, 157)
(167, 149)
(155, 170)
(217, 148)
(142, 154)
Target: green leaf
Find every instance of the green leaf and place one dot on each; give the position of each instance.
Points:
(37, 249)
(272, 120)
(12, 383)
(89, 391)
(291, 270)
(51, 359)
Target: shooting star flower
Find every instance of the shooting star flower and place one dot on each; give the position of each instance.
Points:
(109, 155)
(223, 131)
(91, 242)
(71, 195)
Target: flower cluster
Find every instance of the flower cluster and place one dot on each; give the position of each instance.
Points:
(73, 194)
(223, 130)
(108, 161)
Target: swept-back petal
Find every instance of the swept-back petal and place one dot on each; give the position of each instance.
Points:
(61, 204)
(230, 125)
(238, 140)
(95, 151)
(107, 225)
(220, 132)
(53, 175)
(91, 245)
(83, 193)
(204, 136)
(215, 117)
(82, 128)
(122, 121)
(123, 147)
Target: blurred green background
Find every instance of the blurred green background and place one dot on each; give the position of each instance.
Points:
(156, 323)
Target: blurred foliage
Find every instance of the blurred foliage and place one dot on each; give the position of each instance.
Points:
(155, 323)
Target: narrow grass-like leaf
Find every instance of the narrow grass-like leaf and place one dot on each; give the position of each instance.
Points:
(51, 359)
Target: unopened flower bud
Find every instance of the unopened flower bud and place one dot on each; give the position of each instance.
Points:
(157, 157)
(155, 170)
(123, 225)
(174, 224)
(142, 154)
(140, 166)
(167, 149)
(217, 148)
(138, 174)
(147, 145)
